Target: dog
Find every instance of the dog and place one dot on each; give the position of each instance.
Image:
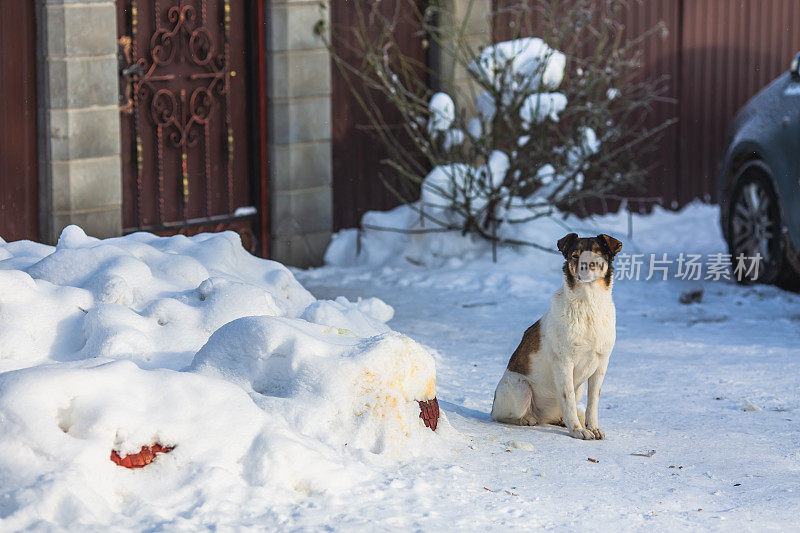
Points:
(568, 347)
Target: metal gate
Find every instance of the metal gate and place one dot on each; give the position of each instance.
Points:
(190, 147)
(18, 150)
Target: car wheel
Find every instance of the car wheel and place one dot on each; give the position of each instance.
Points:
(756, 227)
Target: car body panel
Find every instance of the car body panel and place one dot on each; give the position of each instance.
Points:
(768, 128)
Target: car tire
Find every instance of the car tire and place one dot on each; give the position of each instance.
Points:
(755, 226)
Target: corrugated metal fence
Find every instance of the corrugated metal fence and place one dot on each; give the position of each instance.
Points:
(729, 50)
(356, 153)
(718, 54)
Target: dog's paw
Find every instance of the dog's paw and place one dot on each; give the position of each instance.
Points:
(598, 433)
(581, 433)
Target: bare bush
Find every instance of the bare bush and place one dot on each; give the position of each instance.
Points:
(542, 125)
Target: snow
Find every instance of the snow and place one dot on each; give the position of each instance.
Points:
(452, 138)
(442, 111)
(345, 390)
(711, 386)
(365, 318)
(486, 107)
(540, 106)
(526, 69)
(496, 167)
(245, 211)
(517, 67)
(546, 174)
(293, 411)
(441, 188)
(589, 141)
(269, 396)
(532, 63)
(153, 300)
(444, 188)
(475, 127)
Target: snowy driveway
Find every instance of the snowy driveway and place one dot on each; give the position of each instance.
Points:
(712, 387)
(284, 412)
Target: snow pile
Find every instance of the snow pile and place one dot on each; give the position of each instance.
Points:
(150, 299)
(441, 249)
(365, 318)
(348, 390)
(266, 393)
(61, 422)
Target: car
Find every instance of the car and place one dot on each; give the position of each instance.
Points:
(760, 182)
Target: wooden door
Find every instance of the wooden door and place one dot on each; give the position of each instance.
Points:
(191, 128)
(18, 151)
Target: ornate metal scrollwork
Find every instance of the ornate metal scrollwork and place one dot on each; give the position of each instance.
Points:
(181, 114)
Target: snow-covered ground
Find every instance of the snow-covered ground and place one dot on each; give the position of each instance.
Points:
(712, 387)
(295, 411)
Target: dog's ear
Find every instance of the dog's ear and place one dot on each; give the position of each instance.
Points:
(566, 242)
(613, 244)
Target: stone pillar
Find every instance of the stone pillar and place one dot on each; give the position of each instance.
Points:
(299, 117)
(80, 176)
(474, 17)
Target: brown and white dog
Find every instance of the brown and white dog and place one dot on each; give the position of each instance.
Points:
(568, 346)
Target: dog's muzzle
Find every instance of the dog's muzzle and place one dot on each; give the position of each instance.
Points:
(591, 267)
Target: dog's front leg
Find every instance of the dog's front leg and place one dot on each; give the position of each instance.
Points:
(595, 382)
(569, 409)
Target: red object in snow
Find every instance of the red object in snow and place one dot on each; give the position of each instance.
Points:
(429, 413)
(143, 458)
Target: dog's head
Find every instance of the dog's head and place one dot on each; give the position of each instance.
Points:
(588, 259)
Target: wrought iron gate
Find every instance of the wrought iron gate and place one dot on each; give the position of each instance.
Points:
(186, 124)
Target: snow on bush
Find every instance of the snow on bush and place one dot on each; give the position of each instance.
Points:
(521, 73)
(535, 124)
(521, 63)
(266, 393)
(537, 108)
(443, 112)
